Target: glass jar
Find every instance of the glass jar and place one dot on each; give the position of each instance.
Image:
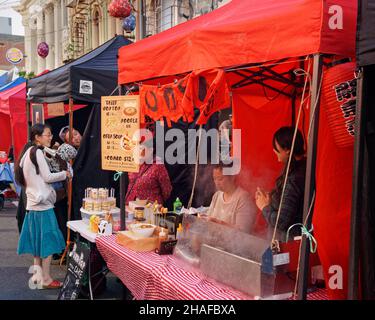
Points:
(139, 213)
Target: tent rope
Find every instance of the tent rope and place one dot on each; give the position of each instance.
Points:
(274, 242)
(312, 199)
(300, 247)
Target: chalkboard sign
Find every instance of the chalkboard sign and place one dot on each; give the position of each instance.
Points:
(77, 262)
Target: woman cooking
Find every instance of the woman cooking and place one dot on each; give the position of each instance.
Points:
(292, 205)
(152, 181)
(231, 204)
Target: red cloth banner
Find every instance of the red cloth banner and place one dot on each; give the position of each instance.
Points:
(206, 90)
(165, 101)
(339, 101)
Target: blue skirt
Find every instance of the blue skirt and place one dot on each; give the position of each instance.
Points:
(40, 234)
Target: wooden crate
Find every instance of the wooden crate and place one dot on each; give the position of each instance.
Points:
(129, 240)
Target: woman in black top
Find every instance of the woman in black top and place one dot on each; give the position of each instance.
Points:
(292, 205)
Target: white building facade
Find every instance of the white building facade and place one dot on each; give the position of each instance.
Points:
(72, 28)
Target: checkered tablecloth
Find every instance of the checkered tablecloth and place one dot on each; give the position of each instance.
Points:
(156, 277)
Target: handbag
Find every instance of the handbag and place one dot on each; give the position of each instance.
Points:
(61, 193)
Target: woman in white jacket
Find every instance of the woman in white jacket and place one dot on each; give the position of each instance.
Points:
(40, 234)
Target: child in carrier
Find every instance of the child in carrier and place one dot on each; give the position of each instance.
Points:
(58, 160)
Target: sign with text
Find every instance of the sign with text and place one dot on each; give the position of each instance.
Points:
(56, 109)
(120, 117)
(77, 263)
(38, 114)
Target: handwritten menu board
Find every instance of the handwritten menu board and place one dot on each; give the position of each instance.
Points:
(77, 265)
(120, 118)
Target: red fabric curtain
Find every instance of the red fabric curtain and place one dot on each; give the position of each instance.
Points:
(259, 165)
(5, 133)
(332, 210)
(18, 121)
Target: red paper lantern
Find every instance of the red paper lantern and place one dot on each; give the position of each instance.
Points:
(119, 8)
(339, 101)
(43, 49)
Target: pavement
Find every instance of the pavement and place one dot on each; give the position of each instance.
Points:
(14, 268)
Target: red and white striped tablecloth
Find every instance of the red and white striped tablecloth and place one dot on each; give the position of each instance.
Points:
(150, 276)
(135, 269)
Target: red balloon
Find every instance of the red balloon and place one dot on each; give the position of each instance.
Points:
(119, 8)
(43, 49)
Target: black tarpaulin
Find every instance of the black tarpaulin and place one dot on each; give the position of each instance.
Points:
(365, 50)
(86, 79)
(87, 165)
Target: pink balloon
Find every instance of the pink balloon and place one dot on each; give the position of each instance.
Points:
(43, 49)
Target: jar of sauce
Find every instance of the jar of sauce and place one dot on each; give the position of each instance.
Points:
(139, 213)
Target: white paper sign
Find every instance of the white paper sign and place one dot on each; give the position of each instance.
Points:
(280, 259)
(85, 87)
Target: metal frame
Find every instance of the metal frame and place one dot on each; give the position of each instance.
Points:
(265, 73)
(124, 182)
(310, 182)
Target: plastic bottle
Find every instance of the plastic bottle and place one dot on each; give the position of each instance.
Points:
(179, 231)
(177, 205)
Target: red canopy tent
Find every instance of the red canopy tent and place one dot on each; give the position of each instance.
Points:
(259, 44)
(243, 32)
(13, 119)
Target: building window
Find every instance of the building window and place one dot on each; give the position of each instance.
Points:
(65, 13)
(96, 27)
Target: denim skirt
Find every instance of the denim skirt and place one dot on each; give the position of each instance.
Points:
(40, 234)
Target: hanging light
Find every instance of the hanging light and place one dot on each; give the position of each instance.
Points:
(43, 49)
(119, 8)
(129, 23)
(339, 90)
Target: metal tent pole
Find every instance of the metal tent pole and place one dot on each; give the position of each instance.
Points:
(28, 112)
(70, 185)
(310, 173)
(123, 188)
(358, 188)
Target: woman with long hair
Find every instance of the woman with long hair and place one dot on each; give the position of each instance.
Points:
(40, 234)
(292, 205)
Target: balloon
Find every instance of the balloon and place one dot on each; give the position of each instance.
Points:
(43, 49)
(119, 8)
(129, 23)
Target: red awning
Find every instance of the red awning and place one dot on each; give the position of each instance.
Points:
(244, 32)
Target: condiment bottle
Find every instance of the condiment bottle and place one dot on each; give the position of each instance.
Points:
(177, 205)
(162, 237)
(179, 232)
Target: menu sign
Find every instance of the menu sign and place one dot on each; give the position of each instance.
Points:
(120, 117)
(77, 264)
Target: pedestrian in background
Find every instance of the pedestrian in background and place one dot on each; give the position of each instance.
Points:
(40, 234)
